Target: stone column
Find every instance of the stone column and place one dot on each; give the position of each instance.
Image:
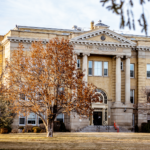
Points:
(84, 66)
(118, 79)
(127, 81)
(75, 59)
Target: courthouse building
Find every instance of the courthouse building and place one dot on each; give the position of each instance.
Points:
(117, 64)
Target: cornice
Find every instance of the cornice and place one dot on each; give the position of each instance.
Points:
(99, 43)
(104, 31)
(24, 40)
(141, 48)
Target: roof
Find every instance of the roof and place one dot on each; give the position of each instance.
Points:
(43, 28)
(101, 24)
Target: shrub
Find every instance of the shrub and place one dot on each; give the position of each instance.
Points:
(23, 131)
(42, 131)
(57, 125)
(28, 128)
(62, 127)
(145, 127)
(21, 127)
(36, 129)
(14, 131)
(3, 130)
(42, 126)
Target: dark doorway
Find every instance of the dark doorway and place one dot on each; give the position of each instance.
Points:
(97, 118)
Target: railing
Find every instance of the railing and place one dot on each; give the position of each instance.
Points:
(116, 126)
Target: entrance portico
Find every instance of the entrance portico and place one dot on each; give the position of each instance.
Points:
(100, 52)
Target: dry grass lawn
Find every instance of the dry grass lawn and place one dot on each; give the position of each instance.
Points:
(71, 141)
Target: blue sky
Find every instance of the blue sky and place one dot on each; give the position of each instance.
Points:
(61, 14)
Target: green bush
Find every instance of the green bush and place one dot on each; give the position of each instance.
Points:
(36, 129)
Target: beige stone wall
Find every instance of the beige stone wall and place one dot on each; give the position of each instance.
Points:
(102, 82)
(108, 84)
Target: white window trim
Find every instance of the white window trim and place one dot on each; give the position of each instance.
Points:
(146, 72)
(104, 68)
(134, 72)
(101, 70)
(24, 121)
(92, 68)
(35, 120)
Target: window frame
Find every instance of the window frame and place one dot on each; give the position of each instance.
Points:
(89, 68)
(104, 68)
(63, 117)
(35, 119)
(121, 65)
(133, 70)
(146, 71)
(79, 63)
(133, 96)
(40, 118)
(101, 69)
(24, 120)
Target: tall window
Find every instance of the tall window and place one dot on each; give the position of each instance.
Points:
(132, 70)
(105, 68)
(90, 68)
(121, 65)
(133, 123)
(21, 119)
(148, 70)
(32, 118)
(132, 96)
(78, 63)
(22, 96)
(60, 90)
(60, 117)
(40, 120)
(97, 68)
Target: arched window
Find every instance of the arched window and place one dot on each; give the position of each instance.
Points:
(103, 96)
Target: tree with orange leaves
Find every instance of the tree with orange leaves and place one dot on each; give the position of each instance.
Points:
(47, 76)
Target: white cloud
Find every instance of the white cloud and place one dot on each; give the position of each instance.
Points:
(57, 14)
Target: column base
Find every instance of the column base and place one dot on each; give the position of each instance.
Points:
(122, 114)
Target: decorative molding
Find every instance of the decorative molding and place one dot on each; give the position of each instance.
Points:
(24, 40)
(141, 48)
(86, 54)
(76, 53)
(107, 49)
(99, 43)
(127, 56)
(119, 56)
(106, 32)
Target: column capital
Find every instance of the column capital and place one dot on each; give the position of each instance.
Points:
(76, 53)
(127, 56)
(119, 56)
(86, 54)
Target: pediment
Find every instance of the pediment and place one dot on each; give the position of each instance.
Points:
(107, 39)
(111, 37)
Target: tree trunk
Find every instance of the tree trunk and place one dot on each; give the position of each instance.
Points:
(49, 128)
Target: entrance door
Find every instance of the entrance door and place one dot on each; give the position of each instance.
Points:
(97, 118)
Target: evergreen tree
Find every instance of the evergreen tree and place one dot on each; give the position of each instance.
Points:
(6, 115)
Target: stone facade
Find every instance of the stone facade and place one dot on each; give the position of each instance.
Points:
(89, 45)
